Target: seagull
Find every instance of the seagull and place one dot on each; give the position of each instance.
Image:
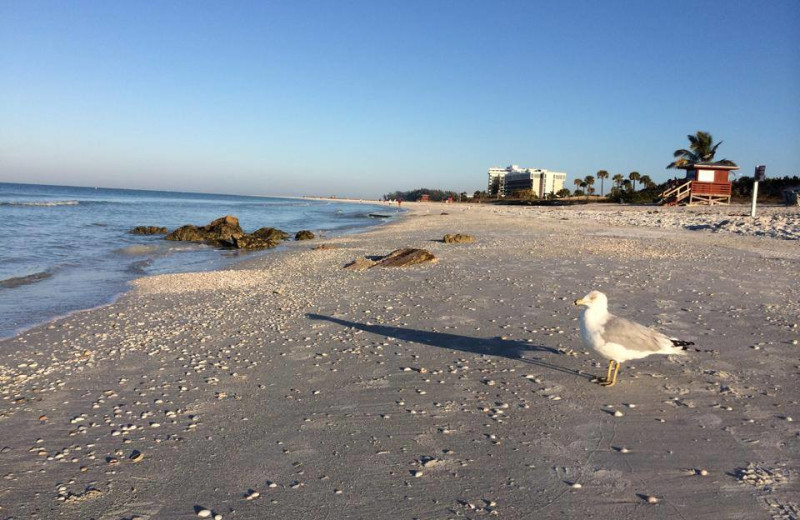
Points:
(618, 339)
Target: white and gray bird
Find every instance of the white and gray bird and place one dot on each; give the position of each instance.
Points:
(618, 339)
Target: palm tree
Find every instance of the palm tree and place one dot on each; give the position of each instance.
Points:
(701, 149)
(634, 176)
(602, 175)
(626, 184)
(617, 179)
(646, 181)
(577, 183)
(589, 181)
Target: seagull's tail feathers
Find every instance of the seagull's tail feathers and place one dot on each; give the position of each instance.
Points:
(680, 343)
(683, 346)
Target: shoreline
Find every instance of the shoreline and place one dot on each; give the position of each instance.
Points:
(327, 391)
(213, 265)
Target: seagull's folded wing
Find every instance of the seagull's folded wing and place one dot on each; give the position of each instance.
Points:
(633, 336)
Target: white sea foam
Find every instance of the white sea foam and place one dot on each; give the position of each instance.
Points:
(41, 203)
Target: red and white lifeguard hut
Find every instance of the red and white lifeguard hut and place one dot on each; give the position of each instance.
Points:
(705, 184)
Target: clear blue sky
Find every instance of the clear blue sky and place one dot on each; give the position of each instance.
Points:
(362, 98)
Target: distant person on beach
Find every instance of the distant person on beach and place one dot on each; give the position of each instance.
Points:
(398, 202)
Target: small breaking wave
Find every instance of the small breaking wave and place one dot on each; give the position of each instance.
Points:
(10, 283)
(45, 203)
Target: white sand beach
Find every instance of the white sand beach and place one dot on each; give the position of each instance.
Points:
(289, 387)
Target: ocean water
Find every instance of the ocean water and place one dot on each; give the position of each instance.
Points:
(66, 249)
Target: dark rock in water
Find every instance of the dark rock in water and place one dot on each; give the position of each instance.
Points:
(223, 230)
(360, 264)
(262, 238)
(304, 235)
(270, 233)
(149, 230)
(325, 246)
(458, 238)
(254, 242)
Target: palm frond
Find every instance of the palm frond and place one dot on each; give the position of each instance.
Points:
(682, 153)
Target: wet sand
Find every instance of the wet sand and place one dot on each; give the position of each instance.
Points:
(288, 387)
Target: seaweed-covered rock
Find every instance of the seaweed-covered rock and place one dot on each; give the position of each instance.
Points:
(270, 233)
(304, 235)
(262, 238)
(254, 242)
(149, 230)
(407, 256)
(187, 233)
(397, 258)
(458, 238)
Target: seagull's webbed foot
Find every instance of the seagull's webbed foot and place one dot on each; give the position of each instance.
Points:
(608, 381)
(611, 379)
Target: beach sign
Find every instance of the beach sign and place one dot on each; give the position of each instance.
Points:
(759, 175)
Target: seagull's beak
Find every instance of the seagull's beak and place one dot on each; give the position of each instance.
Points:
(581, 301)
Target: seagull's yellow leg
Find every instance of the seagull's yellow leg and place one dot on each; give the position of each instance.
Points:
(610, 368)
(607, 380)
(613, 380)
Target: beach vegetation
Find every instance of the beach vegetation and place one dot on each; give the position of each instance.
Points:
(634, 177)
(525, 195)
(768, 189)
(602, 175)
(411, 195)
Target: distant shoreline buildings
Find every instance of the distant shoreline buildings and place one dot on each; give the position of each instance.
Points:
(503, 182)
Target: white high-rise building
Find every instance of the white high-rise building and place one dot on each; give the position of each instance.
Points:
(504, 182)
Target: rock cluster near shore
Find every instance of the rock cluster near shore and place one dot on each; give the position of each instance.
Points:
(221, 230)
(225, 232)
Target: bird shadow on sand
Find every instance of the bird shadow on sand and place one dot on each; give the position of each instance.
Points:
(510, 349)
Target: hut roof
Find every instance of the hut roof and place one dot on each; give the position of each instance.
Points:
(724, 164)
